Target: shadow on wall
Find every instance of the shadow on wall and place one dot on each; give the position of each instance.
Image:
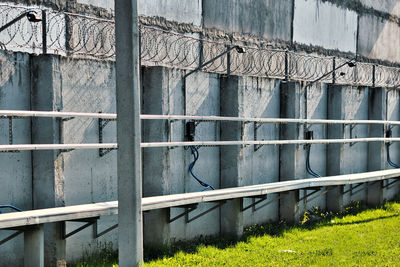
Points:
(87, 86)
(7, 69)
(379, 38)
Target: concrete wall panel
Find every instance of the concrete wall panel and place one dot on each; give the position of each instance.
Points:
(203, 98)
(324, 24)
(378, 38)
(355, 156)
(188, 11)
(15, 170)
(260, 99)
(88, 177)
(393, 113)
(263, 18)
(388, 6)
(317, 109)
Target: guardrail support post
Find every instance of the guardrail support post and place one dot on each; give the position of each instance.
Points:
(34, 246)
(376, 150)
(130, 233)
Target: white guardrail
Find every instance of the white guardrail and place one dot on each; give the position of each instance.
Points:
(70, 213)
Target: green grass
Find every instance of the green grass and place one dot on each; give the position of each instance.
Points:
(366, 238)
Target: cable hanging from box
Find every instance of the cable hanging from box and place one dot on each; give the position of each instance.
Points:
(391, 163)
(195, 153)
(309, 135)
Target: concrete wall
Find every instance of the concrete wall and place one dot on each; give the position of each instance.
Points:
(88, 177)
(77, 177)
(85, 177)
(262, 18)
(379, 38)
(388, 6)
(324, 24)
(16, 168)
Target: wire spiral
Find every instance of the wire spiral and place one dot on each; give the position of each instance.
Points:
(85, 36)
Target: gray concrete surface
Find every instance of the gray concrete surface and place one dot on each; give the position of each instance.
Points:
(376, 151)
(388, 6)
(47, 166)
(378, 38)
(324, 24)
(91, 91)
(76, 177)
(262, 18)
(16, 171)
(248, 97)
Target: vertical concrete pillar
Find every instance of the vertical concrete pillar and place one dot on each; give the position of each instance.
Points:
(163, 168)
(249, 165)
(47, 166)
(334, 157)
(376, 150)
(130, 233)
(34, 246)
(231, 212)
(347, 103)
(292, 160)
(391, 189)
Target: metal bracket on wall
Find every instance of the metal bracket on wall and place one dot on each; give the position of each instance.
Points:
(306, 195)
(323, 192)
(219, 204)
(352, 187)
(255, 200)
(388, 184)
(10, 237)
(189, 208)
(102, 124)
(88, 222)
(96, 234)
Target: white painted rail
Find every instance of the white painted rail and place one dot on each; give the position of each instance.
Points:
(29, 147)
(55, 114)
(34, 217)
(112, 116)
(196, 143)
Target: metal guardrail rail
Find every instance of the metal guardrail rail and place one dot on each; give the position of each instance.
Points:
(109, 116)
(113, 116)
(70, 213)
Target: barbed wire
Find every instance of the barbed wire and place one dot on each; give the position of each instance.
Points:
(85, 36)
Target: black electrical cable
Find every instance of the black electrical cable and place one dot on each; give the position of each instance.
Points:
(195, 153)
(308, 167)
(391, 163)
(10, 207)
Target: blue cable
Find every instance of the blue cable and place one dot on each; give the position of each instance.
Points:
(391, 163)
(308, 167)
(195, 153)
(10, 207)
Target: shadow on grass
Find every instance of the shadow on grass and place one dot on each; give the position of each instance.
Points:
(313, 219)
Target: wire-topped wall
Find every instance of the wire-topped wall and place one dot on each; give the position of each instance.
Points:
(86, 36)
